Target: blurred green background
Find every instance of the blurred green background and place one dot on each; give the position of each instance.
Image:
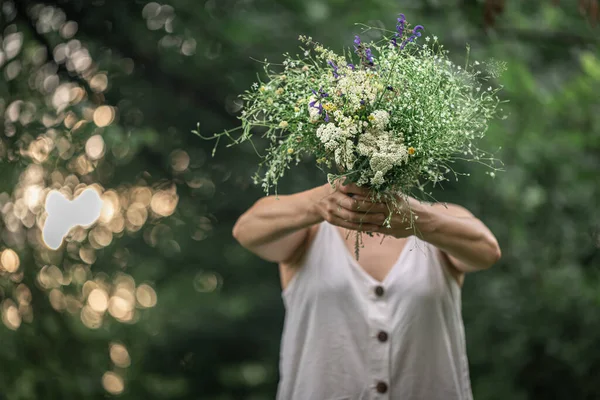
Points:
(157, 301)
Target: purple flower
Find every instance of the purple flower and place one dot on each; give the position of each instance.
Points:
(363, 53)
(400, 25)
(351, 66)
(335, 69)
(369, 56)
(317, 106)
(399, 30)
(415, 35)
(321, 93)
(317, 103)
(357, 44)
(416, 32)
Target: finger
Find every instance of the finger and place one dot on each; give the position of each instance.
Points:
(371, 207)
(349, 203)
(335, 220)
(365, 218)
(376, 206)
(354, 189)
(343, 200)
(364, 206)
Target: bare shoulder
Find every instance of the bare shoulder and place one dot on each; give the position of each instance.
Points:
(289, 268)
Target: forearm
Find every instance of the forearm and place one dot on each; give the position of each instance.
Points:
(466, 239)
(273, 219)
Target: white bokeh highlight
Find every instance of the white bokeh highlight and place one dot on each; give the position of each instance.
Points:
(64, 215)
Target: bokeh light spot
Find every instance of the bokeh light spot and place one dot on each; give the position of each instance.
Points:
(121, 305)
(99, 83)
(113, 383)
(98, 300)
(57, 300)
(94, 147)
(10, 260)
(207, 281)
(91, 318)
(10, 315)
(146, 296)
(180, 160)
(119, 355)
(164, 202)
(137, 214)
(69, 29)
(104, 116)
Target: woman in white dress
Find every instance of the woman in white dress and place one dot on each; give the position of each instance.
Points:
(388, 326)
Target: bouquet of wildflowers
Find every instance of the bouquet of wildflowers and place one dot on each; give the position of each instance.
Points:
(391, 115)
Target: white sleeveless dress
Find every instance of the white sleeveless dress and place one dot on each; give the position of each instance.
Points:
(347, 336)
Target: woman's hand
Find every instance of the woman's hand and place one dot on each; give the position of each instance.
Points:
(402, 224)
(404, 219)
(348, 206)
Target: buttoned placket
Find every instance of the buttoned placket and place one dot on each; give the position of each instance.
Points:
(378, 348)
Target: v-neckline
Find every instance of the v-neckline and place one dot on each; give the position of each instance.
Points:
(361, 269)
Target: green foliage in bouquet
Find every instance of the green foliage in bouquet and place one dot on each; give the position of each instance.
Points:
(392, 115)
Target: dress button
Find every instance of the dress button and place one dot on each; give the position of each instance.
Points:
(379, 291)
(381, 387)
(382, 336)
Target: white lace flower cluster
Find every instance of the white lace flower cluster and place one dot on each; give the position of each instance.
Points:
(360, 88)
(384, 149)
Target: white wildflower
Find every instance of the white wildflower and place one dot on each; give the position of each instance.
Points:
(350, 156)
(377, 180)
(338, 156)
(358, 87)
(380, 118)
(386, 159)
(330, 135)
